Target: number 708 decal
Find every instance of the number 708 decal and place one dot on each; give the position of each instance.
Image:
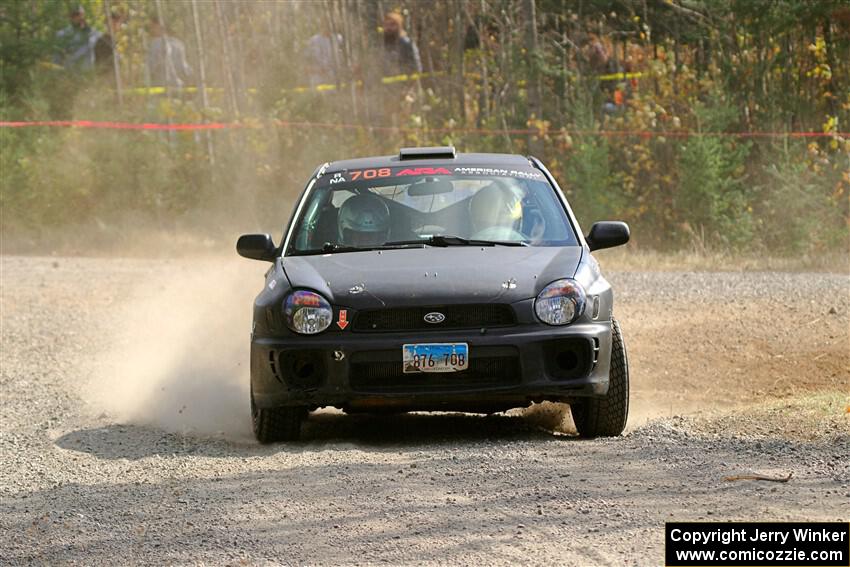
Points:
(370, 173)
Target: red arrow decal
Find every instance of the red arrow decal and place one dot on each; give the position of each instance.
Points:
(343, 318)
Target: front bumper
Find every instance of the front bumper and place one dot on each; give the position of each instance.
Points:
(509, 367)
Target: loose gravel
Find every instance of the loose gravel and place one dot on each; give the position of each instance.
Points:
(95, 473)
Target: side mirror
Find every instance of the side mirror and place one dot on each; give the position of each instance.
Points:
(256, 247)
(607, 234)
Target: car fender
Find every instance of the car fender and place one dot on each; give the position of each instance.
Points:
(597, 288)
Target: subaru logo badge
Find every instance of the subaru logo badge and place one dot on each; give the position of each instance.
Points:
(434, 317)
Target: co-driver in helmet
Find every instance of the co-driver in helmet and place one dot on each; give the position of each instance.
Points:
(495, 212)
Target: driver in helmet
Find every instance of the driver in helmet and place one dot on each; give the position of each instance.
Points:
(364, 220)
(495, 212)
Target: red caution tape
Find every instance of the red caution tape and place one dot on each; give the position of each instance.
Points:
(117, 125)
(337, 126)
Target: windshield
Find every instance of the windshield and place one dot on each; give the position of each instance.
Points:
(419, 206)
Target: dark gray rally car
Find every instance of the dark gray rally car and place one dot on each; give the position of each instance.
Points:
(432, 280)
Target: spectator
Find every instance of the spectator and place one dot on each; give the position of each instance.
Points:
(166, 61)
(324, 57)
(606, 68)
(104, 51)
(106, 46)
(76, 42)
(400, 55)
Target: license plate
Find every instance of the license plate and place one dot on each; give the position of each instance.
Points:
(435, 357)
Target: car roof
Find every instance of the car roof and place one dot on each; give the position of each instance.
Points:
(461, 159)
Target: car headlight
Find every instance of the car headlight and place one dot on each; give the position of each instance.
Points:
(307, 312)
(560, 303)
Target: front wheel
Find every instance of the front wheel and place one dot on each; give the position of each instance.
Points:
(606, 416)
(272, 425)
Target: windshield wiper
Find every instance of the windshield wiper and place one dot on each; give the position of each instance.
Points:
(329, 247)
(439, 240)
(444, 240)
(332, 248)
(450, 240)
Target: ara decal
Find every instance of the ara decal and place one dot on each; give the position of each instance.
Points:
(423, 171)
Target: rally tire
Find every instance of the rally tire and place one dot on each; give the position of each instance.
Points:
(607, 416)
(272, 425)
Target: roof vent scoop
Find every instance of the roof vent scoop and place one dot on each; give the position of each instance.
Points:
(445, 152)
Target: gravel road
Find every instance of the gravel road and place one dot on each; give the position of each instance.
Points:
(125, 436)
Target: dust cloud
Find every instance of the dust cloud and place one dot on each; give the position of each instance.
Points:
(179, 359)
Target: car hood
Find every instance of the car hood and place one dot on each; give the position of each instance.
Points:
(432, 276)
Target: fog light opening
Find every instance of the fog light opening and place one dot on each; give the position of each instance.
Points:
(304, 368)
(567, 360)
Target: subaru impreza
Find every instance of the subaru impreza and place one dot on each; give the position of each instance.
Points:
(434, 280)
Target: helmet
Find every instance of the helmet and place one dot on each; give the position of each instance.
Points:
(495, 206)
(364, 220)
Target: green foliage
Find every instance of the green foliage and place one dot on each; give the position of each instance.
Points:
(795, 214)
(28, 38)
(712, 196)
(590, 182)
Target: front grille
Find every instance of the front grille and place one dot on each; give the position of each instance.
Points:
(372, 372)
(413, 318)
